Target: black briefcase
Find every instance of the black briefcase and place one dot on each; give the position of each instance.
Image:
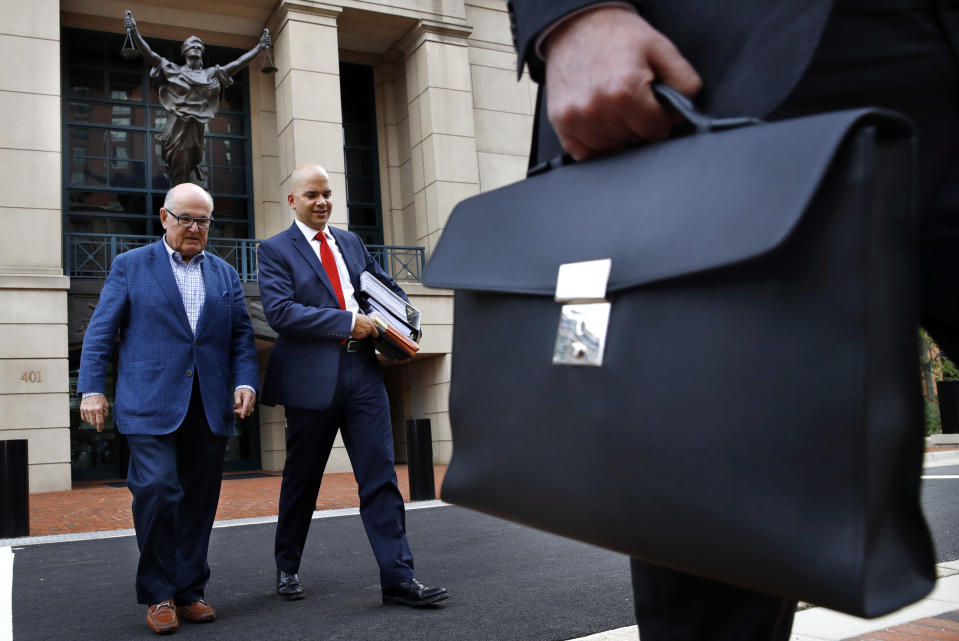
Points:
(750, 410)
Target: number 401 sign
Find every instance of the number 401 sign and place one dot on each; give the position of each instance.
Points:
(33, 376)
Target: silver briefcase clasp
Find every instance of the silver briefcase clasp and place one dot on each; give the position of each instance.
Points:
(584, 316)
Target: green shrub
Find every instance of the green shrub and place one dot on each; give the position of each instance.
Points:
(949, 370)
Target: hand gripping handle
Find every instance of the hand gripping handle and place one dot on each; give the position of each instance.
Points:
(702, 122)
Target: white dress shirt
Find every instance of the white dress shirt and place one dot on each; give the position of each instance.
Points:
(349, 296)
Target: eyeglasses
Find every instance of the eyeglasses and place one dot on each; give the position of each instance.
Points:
(187, 221)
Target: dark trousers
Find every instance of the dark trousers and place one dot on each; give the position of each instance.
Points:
(873, 52)
(175, 482)
(674, 606)
(360, 409)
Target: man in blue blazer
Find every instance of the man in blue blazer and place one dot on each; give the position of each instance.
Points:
(324, 371)
(774, 59)
(187, 364)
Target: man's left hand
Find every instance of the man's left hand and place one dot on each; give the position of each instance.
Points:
(243, 400)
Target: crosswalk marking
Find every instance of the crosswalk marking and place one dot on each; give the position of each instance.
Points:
(6, 594)
(940, 476)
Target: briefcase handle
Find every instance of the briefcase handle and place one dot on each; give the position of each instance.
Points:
(700, 122)
(703, 123)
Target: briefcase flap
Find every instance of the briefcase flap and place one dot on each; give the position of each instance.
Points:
(660, 211)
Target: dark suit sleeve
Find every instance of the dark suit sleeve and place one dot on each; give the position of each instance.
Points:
(99, 340)
(530, 17)
(284, 313)
(243, 363)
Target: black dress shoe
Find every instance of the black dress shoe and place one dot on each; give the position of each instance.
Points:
(288, 586)
(413, 593)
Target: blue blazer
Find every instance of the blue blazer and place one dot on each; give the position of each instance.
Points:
(300, 305)
(159, 355)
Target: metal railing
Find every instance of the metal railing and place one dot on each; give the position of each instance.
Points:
(241, 253)
(91, 255)
(402, 263)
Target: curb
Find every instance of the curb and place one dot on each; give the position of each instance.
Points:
(820, 624)
(945, 457)
(112, 534)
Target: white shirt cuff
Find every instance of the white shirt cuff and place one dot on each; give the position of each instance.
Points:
(245, 387)
(85, 394)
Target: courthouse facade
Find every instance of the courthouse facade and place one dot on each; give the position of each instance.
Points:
(412, 105)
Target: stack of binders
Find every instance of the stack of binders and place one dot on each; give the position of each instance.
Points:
(397, 320)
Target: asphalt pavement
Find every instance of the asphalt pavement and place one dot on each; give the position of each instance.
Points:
(506, 582)
(939, 491)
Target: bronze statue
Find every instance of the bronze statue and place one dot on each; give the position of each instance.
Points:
(191, 96)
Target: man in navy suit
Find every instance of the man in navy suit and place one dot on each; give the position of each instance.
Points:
(187, 364)
(775, 59)
(324, 371)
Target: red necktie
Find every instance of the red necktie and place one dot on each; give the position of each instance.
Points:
(329, 264)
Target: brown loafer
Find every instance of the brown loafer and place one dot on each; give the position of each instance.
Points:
(196, 612)
(161, 617)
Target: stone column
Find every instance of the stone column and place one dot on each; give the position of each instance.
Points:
(441, 133)
(309, 120)
(439, 170)
(269, 206)
(502, 107)
(270, 217)
(34, 385)
(308, 128)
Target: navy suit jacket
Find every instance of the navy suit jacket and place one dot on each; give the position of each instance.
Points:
(300, 305)
(159, 355)
(750, 54)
